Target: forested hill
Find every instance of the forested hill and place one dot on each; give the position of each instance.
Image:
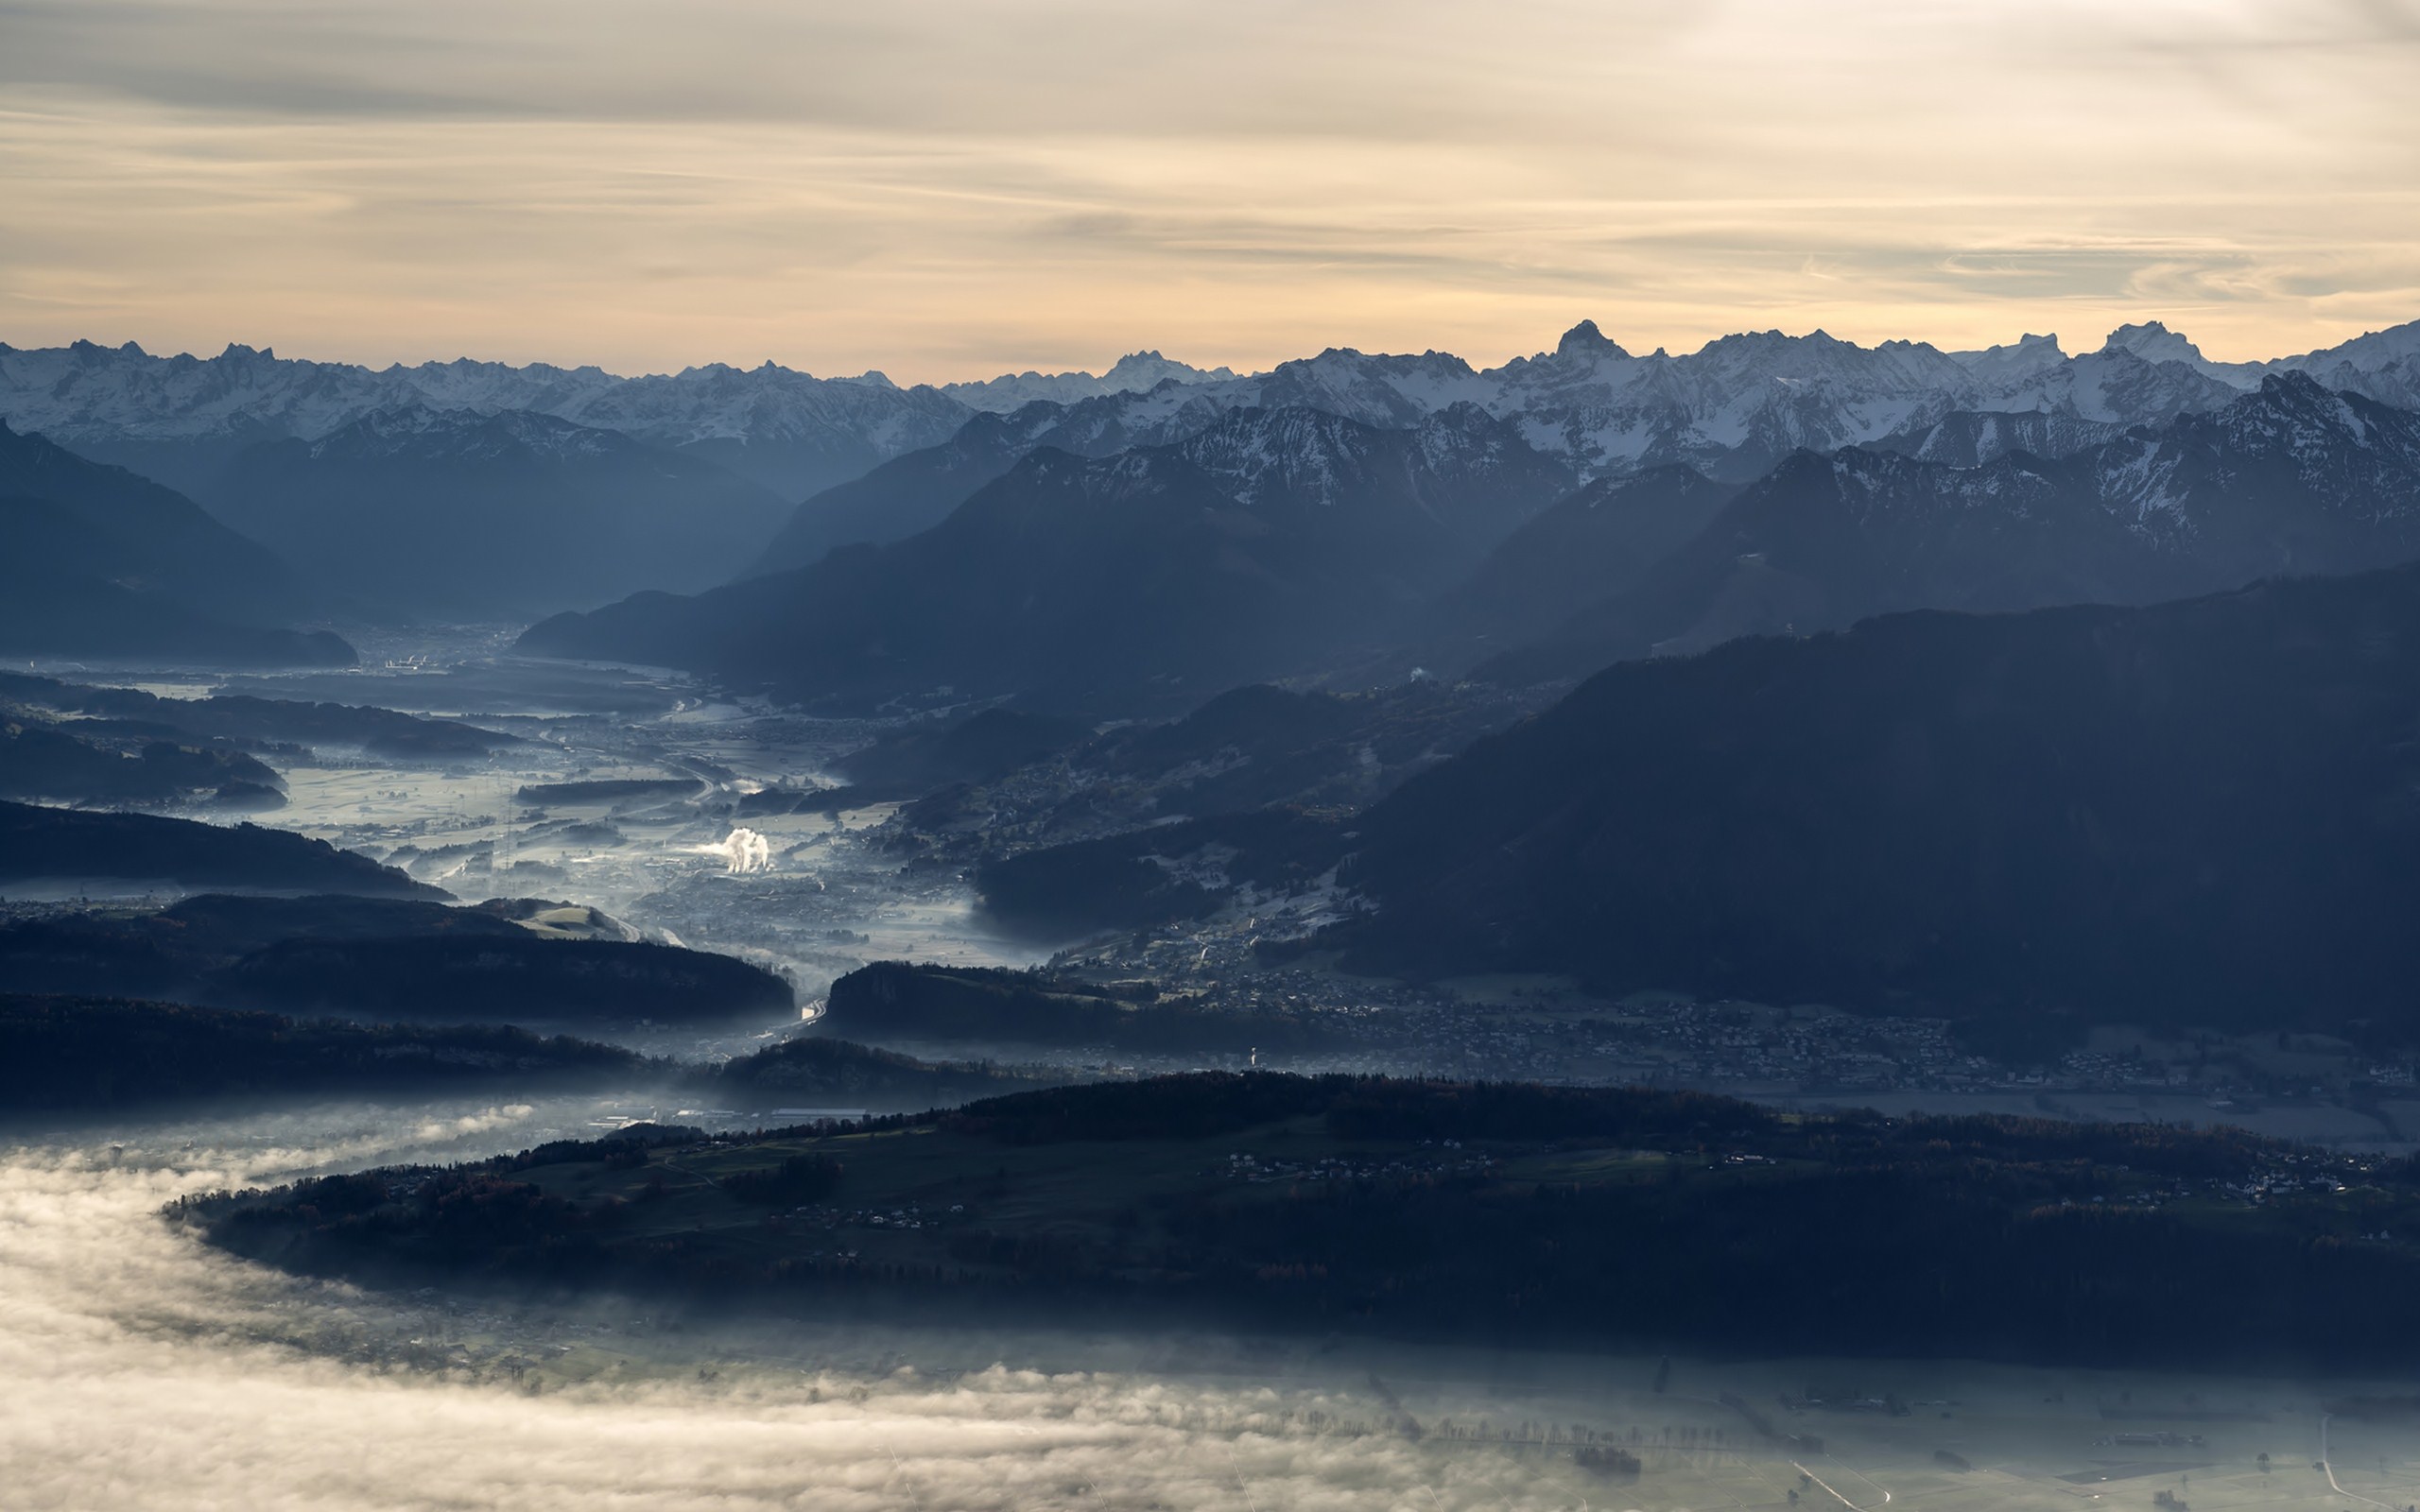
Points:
(69, 844)
(2194, 812)
(1574, 1217)
(70, 1054)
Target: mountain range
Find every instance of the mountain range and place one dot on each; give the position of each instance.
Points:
(481, 491)
(1293, 541)
(1273, 541)
(182, 419)
(1732, 408)
(473, 515)
(2292, 477)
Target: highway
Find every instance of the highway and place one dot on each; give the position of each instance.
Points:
(1826, 1486)
(2327, 1468)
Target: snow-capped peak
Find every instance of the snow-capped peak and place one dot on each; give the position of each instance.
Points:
(2008, 365)
(2153, 341)
(1136, 372)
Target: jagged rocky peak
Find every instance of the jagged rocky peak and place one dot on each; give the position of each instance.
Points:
(1148, 368)
(2012, 363)
(2029, 346)
(2153, 341)
(2298, 400)
(1586, 341)
(2367, 353)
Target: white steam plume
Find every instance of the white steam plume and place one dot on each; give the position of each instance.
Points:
(742, 850)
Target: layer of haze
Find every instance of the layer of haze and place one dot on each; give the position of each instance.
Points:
(951, 189)
(139, 1371)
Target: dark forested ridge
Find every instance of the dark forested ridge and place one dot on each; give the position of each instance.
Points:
(38, 844)
(72, 765)
(857, 1075)
(513, 980)
(1502, 1213)
(2198, 812)
(1191, 784)
(73, 1053)
(902, 1001)
(920, 757)
(1153, 876)
(243, 718)
(380, 958)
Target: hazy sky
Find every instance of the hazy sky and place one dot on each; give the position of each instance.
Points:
(951, 189)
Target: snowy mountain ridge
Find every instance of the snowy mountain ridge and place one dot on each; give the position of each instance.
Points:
(1132, 373)
(1732, 408)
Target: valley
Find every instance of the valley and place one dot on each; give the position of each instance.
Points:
(1447, 959)
(1077, 757)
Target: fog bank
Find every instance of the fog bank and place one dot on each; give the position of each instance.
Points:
(138, 1370)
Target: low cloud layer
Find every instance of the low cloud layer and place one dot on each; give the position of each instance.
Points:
(949, 191)
(138, 1370)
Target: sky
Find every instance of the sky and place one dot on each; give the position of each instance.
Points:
(948, 189)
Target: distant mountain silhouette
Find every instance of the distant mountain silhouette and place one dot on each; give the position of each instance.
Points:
(449, 511)
(2292, 477)
(1595, 544)
(1263, 544)
(902, 496)
(96, 561)
(916, 491)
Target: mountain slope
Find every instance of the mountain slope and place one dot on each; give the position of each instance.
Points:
(917, 490)
(185, 419)
(1596, 543)
(908, 493)
(2199, 812)
(781, 429)
(454, 512)
(1969, 437)
(96, 561)
(1268, 541)
(2289, 478)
